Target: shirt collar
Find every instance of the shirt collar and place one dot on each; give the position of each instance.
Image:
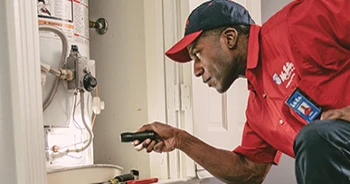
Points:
(253, 47)
(253, 57)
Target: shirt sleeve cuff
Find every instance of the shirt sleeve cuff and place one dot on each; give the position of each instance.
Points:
(257, 156)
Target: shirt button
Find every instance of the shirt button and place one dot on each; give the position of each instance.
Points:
(281, 122)
(264, 95)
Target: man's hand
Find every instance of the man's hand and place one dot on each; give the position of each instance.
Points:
(225, 165)
(167, 139)
(343, 114)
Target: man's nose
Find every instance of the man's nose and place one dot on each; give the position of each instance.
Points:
(197, 68)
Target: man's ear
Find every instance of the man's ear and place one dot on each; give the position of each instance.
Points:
(230, 35)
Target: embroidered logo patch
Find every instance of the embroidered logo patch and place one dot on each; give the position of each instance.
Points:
(287, 74)
(277, 79)
(287, 71)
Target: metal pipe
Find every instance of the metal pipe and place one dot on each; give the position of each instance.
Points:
(64, 40)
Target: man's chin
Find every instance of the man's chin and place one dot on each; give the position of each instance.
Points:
(221, 90)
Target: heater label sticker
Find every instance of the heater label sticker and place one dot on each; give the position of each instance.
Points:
(61, 10)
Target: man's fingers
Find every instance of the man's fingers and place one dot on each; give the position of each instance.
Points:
(159, 147)
(150, 146)
(346, 113)
(144, 144)
(139, 147)
(136, 142)
(332, 114)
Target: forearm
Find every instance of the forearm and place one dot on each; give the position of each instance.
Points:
(224, 165)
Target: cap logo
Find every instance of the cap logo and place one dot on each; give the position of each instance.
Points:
(187, 22)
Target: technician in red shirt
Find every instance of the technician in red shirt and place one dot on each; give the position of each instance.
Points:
(297, 66)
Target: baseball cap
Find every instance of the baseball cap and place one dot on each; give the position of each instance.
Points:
(209, 15)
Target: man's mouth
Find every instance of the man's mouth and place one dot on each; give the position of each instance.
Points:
(207, 80)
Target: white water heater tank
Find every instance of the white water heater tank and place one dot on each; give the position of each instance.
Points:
(72, 17)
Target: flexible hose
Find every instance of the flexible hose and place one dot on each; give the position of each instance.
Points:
(91, 135)
(64, 40)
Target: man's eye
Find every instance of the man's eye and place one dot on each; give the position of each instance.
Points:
(197, 55)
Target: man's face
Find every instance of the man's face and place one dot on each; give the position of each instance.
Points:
(214, 62)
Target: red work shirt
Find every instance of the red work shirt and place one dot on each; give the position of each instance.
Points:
(306, 45)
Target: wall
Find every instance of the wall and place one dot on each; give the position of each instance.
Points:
(284, 172)
(7, 153)
(270, 7)
(121, 73)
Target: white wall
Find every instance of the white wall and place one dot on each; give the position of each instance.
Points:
(270, 7)
(284, 172)
(7, 153)
(121, 73)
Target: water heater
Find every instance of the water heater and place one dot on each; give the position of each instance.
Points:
(71, 17)
(66, 125)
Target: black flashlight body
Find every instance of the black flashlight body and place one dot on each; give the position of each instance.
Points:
(140, 136)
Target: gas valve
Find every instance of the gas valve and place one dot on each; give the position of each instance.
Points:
(82, 68)
(89, 82)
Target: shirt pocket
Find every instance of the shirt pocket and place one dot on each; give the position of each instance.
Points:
(322, 96)
(288, 111)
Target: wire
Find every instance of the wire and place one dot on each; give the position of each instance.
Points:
(88, 141)
(77, 157)
(70, 145)
(56, 155)
(96, 91)
(64, 40)
(91, 135)
(75, 123)
(93, 120)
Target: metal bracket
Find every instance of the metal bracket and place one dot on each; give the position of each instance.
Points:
(185, 97)
(182, 97)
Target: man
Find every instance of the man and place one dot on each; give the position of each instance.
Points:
(297, 66)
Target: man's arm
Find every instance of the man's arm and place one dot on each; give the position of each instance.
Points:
(225, 165)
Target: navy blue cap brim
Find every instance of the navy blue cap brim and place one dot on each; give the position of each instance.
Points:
(179, 52)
